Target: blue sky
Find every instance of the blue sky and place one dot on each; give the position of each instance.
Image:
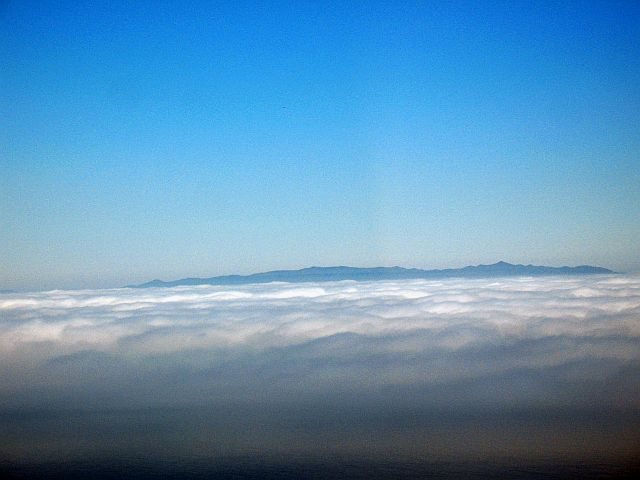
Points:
(148, 140)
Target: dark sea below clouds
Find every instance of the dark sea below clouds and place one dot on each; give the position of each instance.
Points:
(250, 468)
(311, 442)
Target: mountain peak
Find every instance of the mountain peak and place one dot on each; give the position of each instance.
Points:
(339, 273)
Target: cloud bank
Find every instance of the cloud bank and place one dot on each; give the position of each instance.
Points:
(451, 368)
(345, 336)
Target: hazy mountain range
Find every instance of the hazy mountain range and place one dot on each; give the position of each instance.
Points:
(326, 274)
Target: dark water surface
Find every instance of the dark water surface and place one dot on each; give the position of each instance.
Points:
(320, 440)
(250, 468)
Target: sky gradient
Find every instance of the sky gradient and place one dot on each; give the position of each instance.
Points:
(171, 139)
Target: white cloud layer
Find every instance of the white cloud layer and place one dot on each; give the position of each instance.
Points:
(563, 340)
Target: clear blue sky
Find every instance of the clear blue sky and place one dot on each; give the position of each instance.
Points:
(154, 139)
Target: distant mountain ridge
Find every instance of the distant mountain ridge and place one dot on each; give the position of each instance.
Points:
(327, 274)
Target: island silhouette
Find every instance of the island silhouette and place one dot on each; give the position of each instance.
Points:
(338, 273)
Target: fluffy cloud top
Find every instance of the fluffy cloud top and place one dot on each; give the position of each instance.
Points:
(261, 316)
(372, 333)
